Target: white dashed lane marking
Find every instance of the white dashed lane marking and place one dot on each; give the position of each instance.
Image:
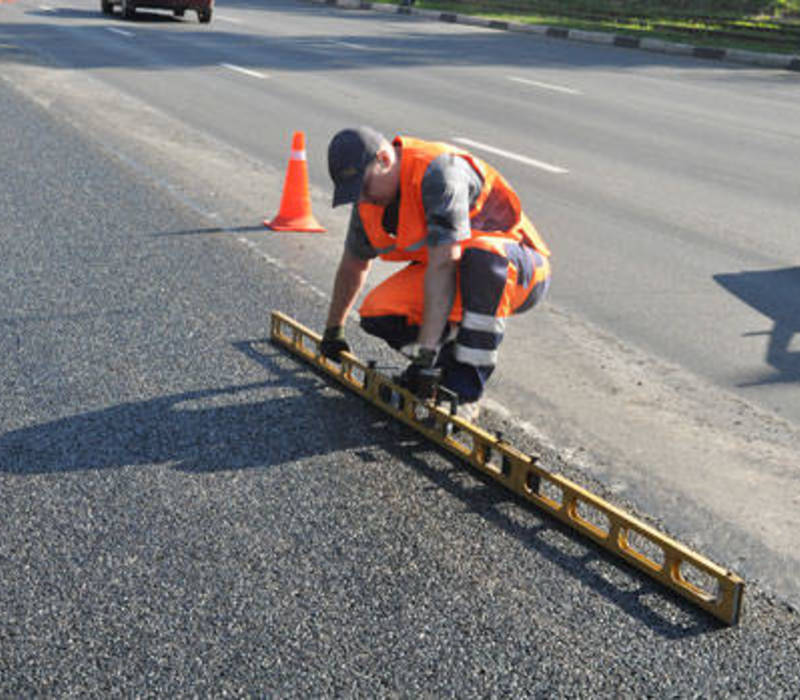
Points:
(548, 167)
(121, 32)
(545, 86)
(244, 71)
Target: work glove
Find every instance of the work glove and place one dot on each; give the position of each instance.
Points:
(333, 342)
(421, 377)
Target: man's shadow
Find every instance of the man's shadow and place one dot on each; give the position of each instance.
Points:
(633, 592)
(235, 427)
(294, 414)
(776, 294)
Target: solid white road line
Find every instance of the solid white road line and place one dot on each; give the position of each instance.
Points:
(513, 156)
(545, 86)
(225, 18)
(121, 32)
(244, 71)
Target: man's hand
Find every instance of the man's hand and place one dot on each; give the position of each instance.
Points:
(333, 343)
(421, 378)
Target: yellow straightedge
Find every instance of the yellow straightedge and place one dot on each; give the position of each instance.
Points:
(694, 577)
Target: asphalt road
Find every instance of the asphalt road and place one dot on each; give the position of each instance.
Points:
(665, 362)
(687, 167)
(188, 511)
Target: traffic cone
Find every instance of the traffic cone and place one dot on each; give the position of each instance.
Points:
(295, 211)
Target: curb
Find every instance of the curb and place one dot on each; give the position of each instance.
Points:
(766, 60)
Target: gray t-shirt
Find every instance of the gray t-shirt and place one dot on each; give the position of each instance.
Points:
(450, 188)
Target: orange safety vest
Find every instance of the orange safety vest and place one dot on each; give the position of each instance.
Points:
(412, 229)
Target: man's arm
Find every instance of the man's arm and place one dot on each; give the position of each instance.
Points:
(350, 278)
(449, 187)
(440, 292)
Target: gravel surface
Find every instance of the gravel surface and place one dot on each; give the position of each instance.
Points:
(188, 511)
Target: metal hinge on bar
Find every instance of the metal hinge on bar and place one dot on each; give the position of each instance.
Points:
(699, 580)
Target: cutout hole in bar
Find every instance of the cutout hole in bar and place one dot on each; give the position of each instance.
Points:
(358, 376)
(506, 466)
(424, 415)
(706, 584)
(642, 546)
(594, 518)
(463, 440)
(532, 482)
(309, 345)
(495, 461)
(390, 397)
(551, 492)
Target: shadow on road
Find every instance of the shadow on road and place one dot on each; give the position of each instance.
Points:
(776, 295)
(199, 431)
(237, 428)
(639, 596)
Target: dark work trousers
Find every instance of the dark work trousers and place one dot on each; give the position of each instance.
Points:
(497, 278)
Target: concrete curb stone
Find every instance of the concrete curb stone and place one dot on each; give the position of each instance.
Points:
(767, 60)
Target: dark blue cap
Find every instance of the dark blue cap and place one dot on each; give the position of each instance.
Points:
(349, 154)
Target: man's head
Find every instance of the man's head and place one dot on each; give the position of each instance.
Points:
(362, 165)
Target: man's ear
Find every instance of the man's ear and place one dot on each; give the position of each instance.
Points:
(385, 155)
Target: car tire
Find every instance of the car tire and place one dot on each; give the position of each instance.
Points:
(204, 16)
(107, 7)
(128, 9)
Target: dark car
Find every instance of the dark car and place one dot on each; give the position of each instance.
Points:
(128, 8)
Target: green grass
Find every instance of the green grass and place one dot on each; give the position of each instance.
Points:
(756, 25)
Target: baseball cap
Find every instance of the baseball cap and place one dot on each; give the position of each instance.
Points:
(349, 153)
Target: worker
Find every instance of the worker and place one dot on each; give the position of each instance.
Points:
(474, 258)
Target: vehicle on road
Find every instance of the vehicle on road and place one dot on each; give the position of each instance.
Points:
(127, 8)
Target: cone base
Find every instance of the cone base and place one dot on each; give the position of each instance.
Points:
(304, 225)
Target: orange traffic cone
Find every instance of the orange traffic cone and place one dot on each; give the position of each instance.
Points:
(295, 211)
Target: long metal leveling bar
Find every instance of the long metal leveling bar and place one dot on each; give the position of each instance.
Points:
(691, 575)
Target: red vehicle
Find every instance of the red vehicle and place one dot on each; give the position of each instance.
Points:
(128, 8)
